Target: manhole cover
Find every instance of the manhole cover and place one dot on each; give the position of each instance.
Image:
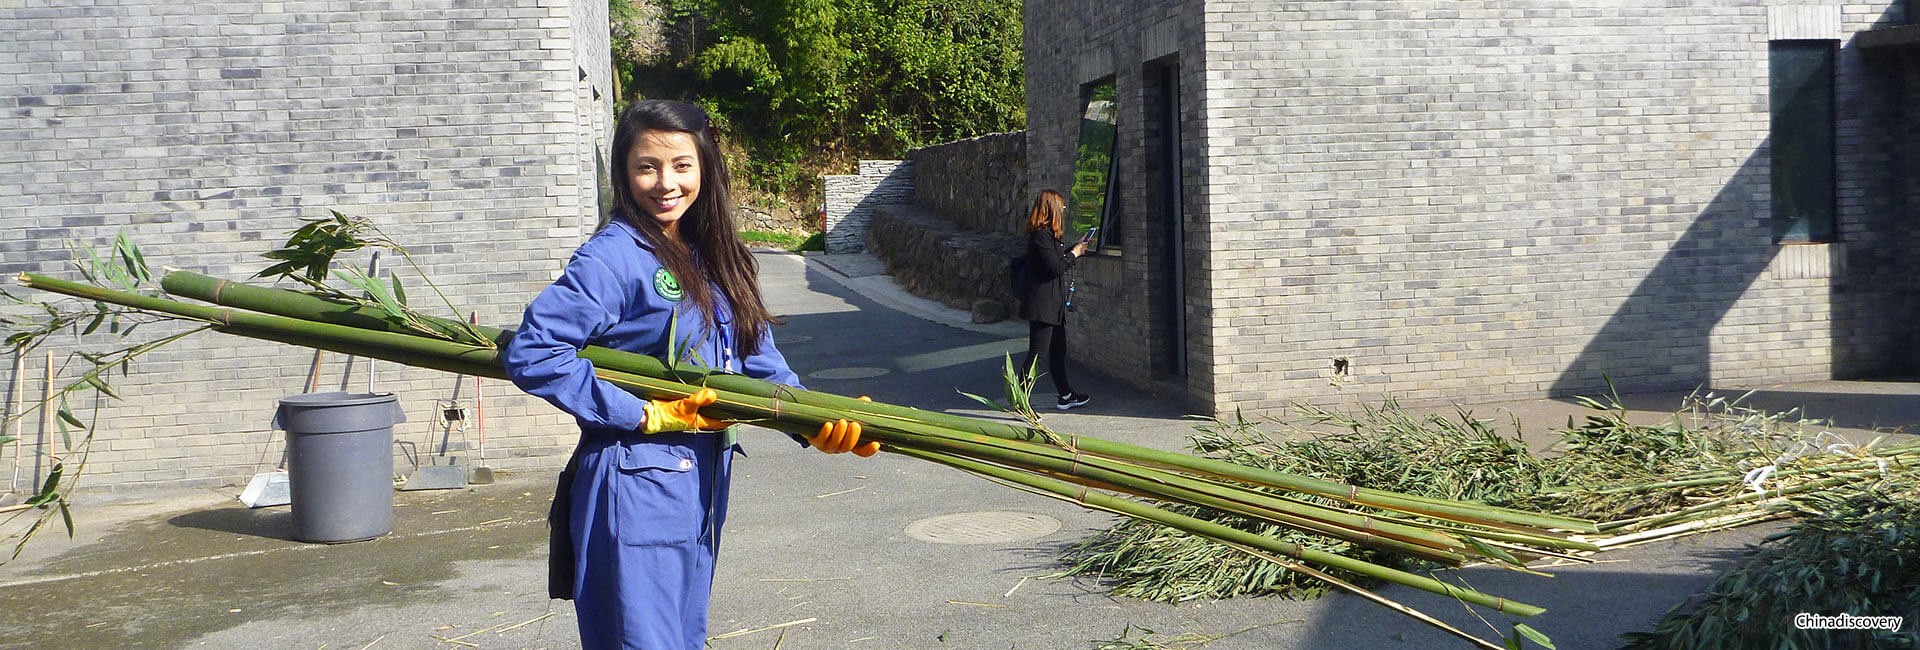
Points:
(848, 373)
(988, 527)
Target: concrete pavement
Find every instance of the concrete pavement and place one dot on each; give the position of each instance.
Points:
(820, 552)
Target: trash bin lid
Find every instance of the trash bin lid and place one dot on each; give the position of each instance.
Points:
(337, 412)
(335, 398)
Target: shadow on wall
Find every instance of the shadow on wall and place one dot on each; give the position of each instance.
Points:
(1878, 307)
(1660, 337)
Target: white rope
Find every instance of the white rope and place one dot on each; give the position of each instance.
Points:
(1756, 478)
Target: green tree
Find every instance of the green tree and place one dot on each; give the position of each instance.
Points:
(801, 86)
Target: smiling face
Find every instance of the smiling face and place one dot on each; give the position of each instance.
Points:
(663, 174)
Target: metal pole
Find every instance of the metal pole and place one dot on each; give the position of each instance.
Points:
(13, 410)
(46, 422)
(373, 273)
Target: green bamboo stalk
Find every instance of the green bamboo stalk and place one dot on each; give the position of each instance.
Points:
(305, 306)
(1080, 495)
(1729, 502)
(227, 317)
(1169, 487)
(1894, 459)
(411, 349)
(1001, 451)
(1664, 485)
(455, 357)
(899, 434)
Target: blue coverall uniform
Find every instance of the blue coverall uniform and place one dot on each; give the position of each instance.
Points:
(646, 510)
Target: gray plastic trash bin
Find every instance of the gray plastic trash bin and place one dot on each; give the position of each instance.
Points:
(340, 463)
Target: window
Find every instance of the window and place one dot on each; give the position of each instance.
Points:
(1801, 85)
(1088, 204)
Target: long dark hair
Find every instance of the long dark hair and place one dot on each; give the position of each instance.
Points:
(708, 248)
(1047, 212)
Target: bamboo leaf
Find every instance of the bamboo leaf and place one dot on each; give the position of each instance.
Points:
(7, 439)
(130, 259)
(99, 384)
(99, 315)
(67, 416)
(673, 337)
(355, 279)
(282, 268)
(113, 272)
(66, 515)
(139, 262)
(399, 294)
(1491, 551)
(94, 268)
(990, 403)
(1534, 635)
(50, 487)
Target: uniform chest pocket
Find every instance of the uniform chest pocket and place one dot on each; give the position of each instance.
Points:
(658, 488)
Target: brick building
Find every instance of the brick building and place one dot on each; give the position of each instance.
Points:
(207, 130)
(1438, 199)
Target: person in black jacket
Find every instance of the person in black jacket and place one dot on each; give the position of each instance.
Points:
(1045, 304)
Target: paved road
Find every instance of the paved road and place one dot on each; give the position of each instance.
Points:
(821, 552)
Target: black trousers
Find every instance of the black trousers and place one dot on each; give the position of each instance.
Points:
(1049, 341)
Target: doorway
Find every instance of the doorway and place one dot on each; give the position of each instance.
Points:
(1169, 277)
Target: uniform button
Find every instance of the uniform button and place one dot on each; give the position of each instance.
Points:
(686, 464)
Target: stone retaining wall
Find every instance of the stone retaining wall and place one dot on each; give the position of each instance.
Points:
(979, 183)
(930, 256)
(947, 234)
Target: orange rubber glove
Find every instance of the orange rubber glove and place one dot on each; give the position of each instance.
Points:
(682, 414)
(842, 436)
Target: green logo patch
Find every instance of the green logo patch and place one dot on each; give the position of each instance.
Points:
(665, 285)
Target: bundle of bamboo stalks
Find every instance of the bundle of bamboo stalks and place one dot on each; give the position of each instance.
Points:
(1129, 480)
(1728, 498)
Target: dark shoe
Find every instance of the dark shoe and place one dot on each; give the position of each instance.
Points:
(1071, 400)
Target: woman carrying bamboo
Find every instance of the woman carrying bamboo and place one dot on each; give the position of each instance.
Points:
(639, 509)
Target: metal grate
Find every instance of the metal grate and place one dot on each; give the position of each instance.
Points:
(985, 527)
(848, 373)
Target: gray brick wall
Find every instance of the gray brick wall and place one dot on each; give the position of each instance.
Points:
(1470, 199)
(206, 131)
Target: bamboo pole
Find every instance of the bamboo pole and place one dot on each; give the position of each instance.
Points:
(892, 425)
(1014, 455)
(1080, 495)
(308, 307)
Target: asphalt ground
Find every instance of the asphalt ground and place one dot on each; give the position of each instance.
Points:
(819, 551)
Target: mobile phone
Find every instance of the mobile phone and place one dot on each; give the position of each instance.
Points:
(1088, 235)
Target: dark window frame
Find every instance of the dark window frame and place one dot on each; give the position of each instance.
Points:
(1803, 141)
(1105, 188)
